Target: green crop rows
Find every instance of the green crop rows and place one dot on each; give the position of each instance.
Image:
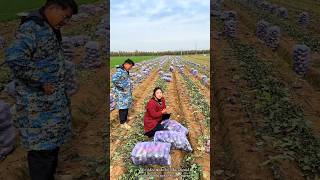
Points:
(197, 99)
(302, 37)
(283, 120)
(194, 170)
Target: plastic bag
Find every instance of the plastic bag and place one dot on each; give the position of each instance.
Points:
(173, 125)
(151, 153)
(178, 140)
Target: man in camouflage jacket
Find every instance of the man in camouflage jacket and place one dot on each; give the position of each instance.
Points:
(122, 88)
(43, 114)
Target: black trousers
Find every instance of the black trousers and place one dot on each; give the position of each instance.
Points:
(151, 133)
(43, 164)
(123, 115)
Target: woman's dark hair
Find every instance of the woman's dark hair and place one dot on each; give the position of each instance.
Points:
(64, 4)
(155, 90)
(129, 61)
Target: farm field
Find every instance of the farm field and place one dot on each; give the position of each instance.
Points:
(199, 58)
(117, 60)
(84, 156)
(188, 99)
(266, 84)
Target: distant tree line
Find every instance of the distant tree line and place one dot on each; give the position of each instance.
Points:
(144, 53)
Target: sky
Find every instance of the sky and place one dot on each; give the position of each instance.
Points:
(159, 25)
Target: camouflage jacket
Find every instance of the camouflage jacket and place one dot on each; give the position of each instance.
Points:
(36, 58)
(122, 88)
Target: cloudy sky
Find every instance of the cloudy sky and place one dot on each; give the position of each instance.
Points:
(159, 25)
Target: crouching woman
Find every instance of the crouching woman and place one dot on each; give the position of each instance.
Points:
(155, 109)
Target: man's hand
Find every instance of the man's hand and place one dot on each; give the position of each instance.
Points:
(48, 89)
(164, 111)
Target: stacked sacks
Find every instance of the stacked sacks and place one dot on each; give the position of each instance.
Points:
(301, 59)
(194, 72)
(112, 102)
(133, 76)
(7, 132)
(273, 37)
(158, 151)
(92, 57)
(303, 19)
(181, 70)
(230, 28)
(167, 77)
(79, 17)
(2, 42)
(139, 78)
(262, 29)
(204, 79)
(204, 67)
(178, 140)
(273, 9)
(229, 15)
(207, 146)
(255, 3)
(71, 85)
(283, 13)
(216, 7)
(103, 28)
(146, 72)
(90, 9)
(68, 48)
(265, 6)
(79, 40)
(171, 68)
(151, 153)
(173, 125)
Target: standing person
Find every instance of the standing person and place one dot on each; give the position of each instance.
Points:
(123, 91)
(155, 110)
(38, 66)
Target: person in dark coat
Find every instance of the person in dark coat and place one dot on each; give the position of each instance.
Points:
(122, 88)
(155, 109)
(43, 114)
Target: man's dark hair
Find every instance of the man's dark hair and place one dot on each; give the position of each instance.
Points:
(64, 4)
(129, 61)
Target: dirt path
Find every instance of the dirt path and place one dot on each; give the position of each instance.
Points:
(174, 107)
(195, 124)
(236, 138)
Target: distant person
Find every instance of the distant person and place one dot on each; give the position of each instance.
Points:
(123, 91)
(155, 112)
(36, 58)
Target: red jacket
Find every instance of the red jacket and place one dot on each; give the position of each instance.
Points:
(153, 114)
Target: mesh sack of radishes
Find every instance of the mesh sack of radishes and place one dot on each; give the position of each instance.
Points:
(178, 140)
(173, 125)
(7, 132)
(151, 153)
